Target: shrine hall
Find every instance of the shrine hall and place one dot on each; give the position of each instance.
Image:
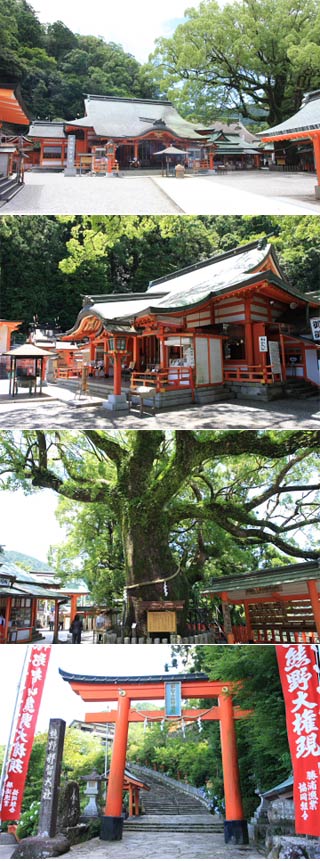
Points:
(173, 690)
(297, 139)
(229, 326)
(129, 132)
(280, 605)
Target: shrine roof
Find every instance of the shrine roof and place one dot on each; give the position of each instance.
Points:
(127, 680)
(189, 287)
(264, 577)
(279, 789)
(12, 110)
(47, 129)
(110, 116)
(307, 118)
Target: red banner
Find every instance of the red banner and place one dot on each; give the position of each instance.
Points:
(299, 673)
(21, 748)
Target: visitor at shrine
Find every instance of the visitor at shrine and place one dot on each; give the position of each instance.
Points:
(76, 629)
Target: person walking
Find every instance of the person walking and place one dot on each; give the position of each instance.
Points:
(76, 629)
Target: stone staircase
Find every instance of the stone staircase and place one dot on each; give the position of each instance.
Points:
(298, 388)
(169, 805)
(9, 187)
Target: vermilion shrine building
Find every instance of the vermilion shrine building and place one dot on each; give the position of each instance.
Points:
(129, 131)
(231, 325)
(279, 605)
(173, 689)
(297, 139)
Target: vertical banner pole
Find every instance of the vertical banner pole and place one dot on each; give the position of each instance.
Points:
(12, 725)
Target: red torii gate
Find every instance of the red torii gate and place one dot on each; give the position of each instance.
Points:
(124, 690)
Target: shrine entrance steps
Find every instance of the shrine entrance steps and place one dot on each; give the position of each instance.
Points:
(298, 388)
(171, 805)
(9, 187)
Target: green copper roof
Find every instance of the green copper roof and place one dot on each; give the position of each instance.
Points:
(265, 577)
(112, 117)
(306, 119)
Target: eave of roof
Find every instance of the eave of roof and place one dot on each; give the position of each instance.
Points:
(306, 119)
(265, 577)
(133, 680)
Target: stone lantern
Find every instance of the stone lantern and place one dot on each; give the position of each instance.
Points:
(93, 783)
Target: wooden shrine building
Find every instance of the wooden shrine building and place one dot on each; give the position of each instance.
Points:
(173, 690)
(122, 130)
(231, 325)
(280, 605)
(297, 139)
(20, 592)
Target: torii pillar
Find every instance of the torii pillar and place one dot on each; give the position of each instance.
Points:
(235, 825)
(112, 822)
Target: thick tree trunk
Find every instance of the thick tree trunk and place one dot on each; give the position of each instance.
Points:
(149, 565)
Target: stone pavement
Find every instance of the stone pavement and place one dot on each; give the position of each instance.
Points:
(166, 844)
(243, 193)
(56, 194)
(238, 192)
(242, 414)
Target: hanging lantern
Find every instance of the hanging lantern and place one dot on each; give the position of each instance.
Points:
(117, 344)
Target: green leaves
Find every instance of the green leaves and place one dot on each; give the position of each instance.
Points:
(254, 56)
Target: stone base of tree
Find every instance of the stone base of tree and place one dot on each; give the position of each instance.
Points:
(42, 847)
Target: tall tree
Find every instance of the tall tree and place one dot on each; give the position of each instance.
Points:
(256, 57)
(260, 487)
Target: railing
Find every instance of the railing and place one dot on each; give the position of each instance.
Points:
(20, 635)
(188, 788)
(274, 635)
(171, 638)
(68, 372)
(164, 380)
(251, 374)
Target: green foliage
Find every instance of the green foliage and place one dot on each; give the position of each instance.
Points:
(55, 66)
(197, 757)
(254, 57)
(48, 263)
(178, 506)
(28, 823)
(82, 753)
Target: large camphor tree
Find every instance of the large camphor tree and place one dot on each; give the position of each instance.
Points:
(251, 57)
(172, 501)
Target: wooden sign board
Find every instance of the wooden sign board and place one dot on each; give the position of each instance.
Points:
(163, 621)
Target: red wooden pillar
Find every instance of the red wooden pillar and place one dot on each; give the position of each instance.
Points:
(73, 606)
(136, 150)
(235, 826)
(315, 602)
(130, 800)
(92, 351)
(56, 623)
(117, 374)
(112, 822)
(136, 352)
(316, 151)
(248, 620)
(34, 608)
(248, 333)
(7, 619)
(211, 160)
(136, 802)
